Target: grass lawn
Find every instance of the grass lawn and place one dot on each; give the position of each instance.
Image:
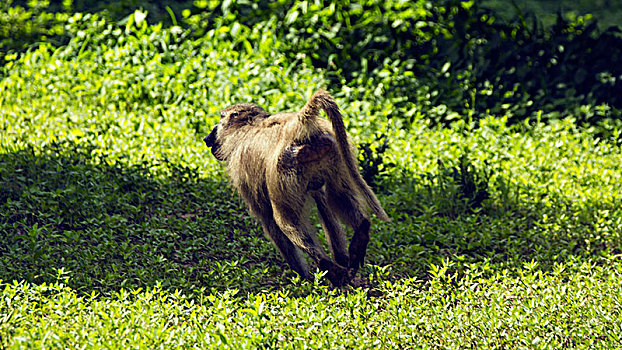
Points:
(118, 229)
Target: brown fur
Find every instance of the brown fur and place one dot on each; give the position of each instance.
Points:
(279, 162)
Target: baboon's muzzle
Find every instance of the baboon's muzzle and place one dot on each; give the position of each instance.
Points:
(210, 141)
(211, 138)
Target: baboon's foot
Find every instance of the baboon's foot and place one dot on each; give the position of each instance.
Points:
(336, 274)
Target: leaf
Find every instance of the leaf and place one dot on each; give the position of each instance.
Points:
(139, 17)
(291, 16)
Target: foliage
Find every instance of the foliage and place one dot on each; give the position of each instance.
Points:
(118, 229)
(576, 305)
(608, 13)
(450, 57)
(447, 60)
(519, 69)
(112, 10)
(22, 28)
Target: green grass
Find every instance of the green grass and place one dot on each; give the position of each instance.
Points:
(575, 305)
(118, 228)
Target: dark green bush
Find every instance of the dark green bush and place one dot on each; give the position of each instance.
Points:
(440, 59)
(446, 57)
(22, 28)
(519, 69)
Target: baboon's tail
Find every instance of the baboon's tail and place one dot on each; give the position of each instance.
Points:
(323, 100)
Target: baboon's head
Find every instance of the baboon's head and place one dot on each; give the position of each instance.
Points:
(232, 120)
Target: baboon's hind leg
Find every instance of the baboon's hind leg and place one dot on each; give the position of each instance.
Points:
(358, 244)
(346, 206)
(332, 229)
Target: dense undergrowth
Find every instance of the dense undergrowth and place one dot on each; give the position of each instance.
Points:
(119, 229)
(448, 61)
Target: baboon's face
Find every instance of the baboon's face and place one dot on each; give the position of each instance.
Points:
(232, 119)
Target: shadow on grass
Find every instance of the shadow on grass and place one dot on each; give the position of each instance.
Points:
(114, 226)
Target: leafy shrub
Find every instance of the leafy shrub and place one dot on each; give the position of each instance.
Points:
(481, 66)
(112, 10)
(113, 77)
(371, 160)
(444, 60)
(471, 188)
(22, 28)
(446, 57)
(519, 69)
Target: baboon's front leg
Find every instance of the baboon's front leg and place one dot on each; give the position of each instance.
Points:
(288, 250)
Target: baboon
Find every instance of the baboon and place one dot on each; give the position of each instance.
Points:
(280, 163)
